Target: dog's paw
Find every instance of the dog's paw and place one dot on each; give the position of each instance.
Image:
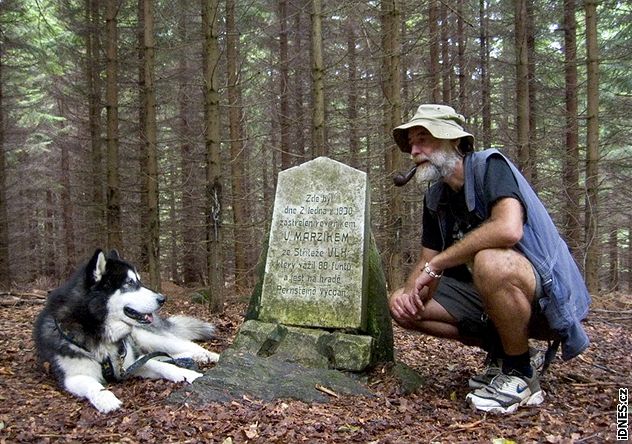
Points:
(206, 357)
(105, 401)
(179, 374)
(189, 375)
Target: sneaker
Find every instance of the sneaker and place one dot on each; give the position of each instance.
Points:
(493, 367)
(537, 359)
(506, 393)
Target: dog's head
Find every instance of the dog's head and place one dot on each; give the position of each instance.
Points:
(116, 289)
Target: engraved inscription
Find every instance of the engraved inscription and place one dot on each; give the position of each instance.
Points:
(316, 250)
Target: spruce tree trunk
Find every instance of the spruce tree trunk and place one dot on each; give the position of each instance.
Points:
(5, 278)
(392, 118)
(189, 178)
(461, 38)
(446, 71)
(352, 94)
(97, 233)
(212, 119)
(532, 85)
(152, 231)
(486, 139)
(571, 225)
(522, 87)
(592, 240)
(318, 85)
(433, 62)
(238, 155)
(69, 236)
(284, 93)
(113, 196)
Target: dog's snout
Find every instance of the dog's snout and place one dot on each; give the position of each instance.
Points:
(160, 299)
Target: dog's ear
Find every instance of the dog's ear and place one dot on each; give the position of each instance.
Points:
(114, 254)
(96, 267)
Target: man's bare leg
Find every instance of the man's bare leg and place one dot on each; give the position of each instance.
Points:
(435, 321)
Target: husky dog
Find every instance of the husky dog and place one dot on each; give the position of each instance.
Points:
(101, 326)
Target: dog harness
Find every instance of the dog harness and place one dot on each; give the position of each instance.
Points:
(115, 372)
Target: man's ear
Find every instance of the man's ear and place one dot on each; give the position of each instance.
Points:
(96, 267)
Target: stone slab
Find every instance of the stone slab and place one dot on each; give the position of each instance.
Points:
(240, 374)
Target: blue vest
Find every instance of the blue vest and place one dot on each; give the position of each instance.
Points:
(565, 301)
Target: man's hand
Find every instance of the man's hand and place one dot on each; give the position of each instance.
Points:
(406, 304)
(424, 280)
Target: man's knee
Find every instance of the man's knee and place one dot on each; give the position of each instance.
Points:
(501, 267)
(488, 264)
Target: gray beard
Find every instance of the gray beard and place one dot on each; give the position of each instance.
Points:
(441, 165)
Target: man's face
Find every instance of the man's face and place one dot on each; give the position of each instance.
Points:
(435, 158)
(421, 141)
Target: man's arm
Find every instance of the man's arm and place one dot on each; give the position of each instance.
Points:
(503, 229)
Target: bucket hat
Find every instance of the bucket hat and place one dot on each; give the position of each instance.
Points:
(441, 121)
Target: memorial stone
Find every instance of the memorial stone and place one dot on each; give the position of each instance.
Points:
(315, 271)
(319, 309)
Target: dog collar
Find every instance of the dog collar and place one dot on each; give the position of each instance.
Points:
(116, 373)
(69, 337)
(109, 371)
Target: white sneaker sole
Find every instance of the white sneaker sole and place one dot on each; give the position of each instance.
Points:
(536, 398)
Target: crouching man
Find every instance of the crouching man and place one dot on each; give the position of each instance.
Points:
(493, 270)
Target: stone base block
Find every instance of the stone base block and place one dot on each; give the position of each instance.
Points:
(306, 346)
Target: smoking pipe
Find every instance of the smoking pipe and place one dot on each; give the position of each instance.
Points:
(401, 179)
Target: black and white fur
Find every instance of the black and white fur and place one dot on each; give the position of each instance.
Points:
(101, 321)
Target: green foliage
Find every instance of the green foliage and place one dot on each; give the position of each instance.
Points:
(44, 63)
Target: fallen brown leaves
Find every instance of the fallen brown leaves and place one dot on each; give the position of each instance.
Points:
(580, 404)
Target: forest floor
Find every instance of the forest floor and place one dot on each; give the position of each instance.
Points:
(581, 402)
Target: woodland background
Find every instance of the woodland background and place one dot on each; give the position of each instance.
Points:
(159, 127)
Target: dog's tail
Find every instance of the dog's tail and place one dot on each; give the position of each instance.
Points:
(190, 328)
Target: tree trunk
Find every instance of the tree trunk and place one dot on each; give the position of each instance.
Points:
(433, 63)
(522, 87)
(5, 277)
(392, 118)
(486, 139)
(352, 95)
(446, 71)
(461, 61)
(189, 179)
(237, 153)
(93, 80)
(48, 251)
(572, 227)
(284, 93)
(613, 285)
(143, 177)
(592, 240)
(152, 231)
(113, 197)
(212, 119)
(532, 86)
(299, 85)
(318, 86)
(66, 200)
(173, 226)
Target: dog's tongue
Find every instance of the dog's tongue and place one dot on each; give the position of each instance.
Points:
(149, 318)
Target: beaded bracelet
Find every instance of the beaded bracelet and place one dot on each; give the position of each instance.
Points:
(431, 273)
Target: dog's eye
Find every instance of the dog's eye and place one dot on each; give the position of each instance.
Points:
(130, 282)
